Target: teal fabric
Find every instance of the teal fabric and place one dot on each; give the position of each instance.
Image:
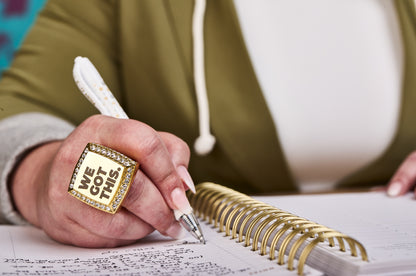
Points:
(16, 18)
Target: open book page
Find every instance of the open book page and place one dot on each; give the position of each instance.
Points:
(385, 226)
(28, 251)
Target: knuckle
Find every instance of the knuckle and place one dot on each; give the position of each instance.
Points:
(168, 181)
(94, 119)
(133, 129)
(151, 144)
(117, 226)
(412, 157)
(184, 148)
(135, 192)
(177, 144)
(140, 136)
(93, 122)
(402, 176)
(55, 195)
(163, 223)
(66, 155)
(126, 128)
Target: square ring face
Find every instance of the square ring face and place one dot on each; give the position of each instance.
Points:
(102, 177)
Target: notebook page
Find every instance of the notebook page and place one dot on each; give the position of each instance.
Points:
(28, 251)
(385, 226)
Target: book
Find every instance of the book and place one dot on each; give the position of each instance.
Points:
(379, 228)
(386, 226)
(270, 230)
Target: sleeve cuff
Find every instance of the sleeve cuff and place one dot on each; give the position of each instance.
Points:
(18, 134)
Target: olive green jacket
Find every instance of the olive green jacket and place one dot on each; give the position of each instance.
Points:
(143, 49)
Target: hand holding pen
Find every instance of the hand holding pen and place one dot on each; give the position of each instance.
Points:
(93, 87)
(42, 179)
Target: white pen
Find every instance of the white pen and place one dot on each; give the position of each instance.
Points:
(91, 84)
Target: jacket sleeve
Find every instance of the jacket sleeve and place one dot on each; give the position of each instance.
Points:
(20, 133)
(39, 101)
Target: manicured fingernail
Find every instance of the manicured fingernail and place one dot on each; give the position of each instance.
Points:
(176, 231)
(186, 177)
(394, 189)
(180, 200)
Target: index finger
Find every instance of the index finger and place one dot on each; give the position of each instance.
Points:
(143, 144)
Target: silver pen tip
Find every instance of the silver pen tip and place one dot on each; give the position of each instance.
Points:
(202, 240)
(191, 224)
(198, 234)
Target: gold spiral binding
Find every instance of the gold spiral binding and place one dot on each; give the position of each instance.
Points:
(240, 215)
(225, 207)
(254, 212)
(243, 213)
(234, 218)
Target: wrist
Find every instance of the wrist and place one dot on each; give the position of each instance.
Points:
(29, 179)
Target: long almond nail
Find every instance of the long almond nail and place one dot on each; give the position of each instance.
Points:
(186, 178)
(180, 200)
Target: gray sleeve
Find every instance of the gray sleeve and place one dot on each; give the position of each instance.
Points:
(18, 134)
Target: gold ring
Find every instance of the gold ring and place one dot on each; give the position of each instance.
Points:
(102, 177)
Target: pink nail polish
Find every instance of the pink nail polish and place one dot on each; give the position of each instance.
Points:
(180, 200)
(394, 189)
(186, 178)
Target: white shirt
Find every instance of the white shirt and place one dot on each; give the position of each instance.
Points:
(331, 74)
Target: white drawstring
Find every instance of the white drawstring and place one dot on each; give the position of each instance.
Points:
(206, 141)
(88, 80)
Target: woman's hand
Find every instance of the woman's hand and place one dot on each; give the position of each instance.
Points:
(405, 177)
(41, 180)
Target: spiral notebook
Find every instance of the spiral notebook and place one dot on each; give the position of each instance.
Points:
(273, 232)
(386, 226)
(381, 228)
